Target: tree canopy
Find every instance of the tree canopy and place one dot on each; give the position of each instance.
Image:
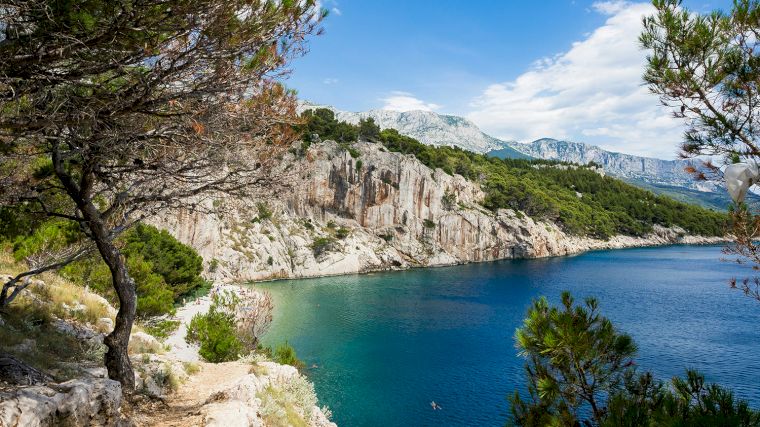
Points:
(113, 111)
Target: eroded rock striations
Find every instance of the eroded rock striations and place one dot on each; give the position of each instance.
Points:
(336, 214)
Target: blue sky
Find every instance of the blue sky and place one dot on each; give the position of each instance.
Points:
(519, 69)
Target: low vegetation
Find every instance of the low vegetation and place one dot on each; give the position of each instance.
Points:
(232, 327)
(288, 403)
(577, 197)
(164, 270)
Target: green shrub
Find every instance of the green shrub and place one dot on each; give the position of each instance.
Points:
(164, 270)
(428, 223)
(162, 329)
(215, 332)
(359, 165)
(264, 212)
(353, 152)
(342, 233)
(179, 264)
(322, 245)
(285, 354)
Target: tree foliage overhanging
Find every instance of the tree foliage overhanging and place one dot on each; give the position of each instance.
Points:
(135, 107)
(581, 371)
(164, 269)
(576, 196)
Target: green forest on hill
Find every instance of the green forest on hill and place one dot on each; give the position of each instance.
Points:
(577, 197)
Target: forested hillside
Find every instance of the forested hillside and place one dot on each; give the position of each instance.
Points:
(578, 197)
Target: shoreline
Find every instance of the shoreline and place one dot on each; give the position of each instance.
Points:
(718, 242)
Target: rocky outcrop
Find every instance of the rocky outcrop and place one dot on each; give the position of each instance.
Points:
(246, 402)
(336, 214)
(75, 403)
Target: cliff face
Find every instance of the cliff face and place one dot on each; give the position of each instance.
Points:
(335, 214)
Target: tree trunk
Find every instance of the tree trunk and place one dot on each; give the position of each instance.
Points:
(117, 358)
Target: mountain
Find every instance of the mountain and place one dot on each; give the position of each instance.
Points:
(660, 176)
(629, 167)
(432, 129)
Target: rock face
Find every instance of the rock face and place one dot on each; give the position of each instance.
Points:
(657, 171)
(438, 129)
(75, 403)
(336, 214)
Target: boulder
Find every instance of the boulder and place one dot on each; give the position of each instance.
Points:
(104, 324)
(75, 403)
(140, 342)
(233, 413)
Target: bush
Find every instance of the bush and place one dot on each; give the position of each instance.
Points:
(288, 403)
(285, 354)
(162, 328)
(264, 212)
(179, 264)
(322, 245)
(233, 325)
(428, 223)
(342, 233)
(164, 270)
(215, 333)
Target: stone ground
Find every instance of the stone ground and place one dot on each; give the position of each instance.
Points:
(182, 409)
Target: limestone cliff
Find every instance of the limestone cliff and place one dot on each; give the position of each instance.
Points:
(331, 213)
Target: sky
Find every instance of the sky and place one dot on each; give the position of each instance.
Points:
(520, 70)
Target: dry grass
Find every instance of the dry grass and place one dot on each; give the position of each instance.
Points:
(289, 403)
(63, 298)
(28, 333)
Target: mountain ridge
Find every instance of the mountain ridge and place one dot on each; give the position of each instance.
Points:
(658, 175)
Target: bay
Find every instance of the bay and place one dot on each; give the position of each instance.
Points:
(380, 347)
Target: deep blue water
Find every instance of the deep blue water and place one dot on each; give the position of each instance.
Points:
(385, 345)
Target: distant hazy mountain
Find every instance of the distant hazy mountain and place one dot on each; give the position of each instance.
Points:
(661, 176)
(646, 169)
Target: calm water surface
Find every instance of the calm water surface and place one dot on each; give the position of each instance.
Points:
(385, 345)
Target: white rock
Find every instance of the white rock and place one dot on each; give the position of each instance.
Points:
(232, 413)
(104, 324)
(140, 342)
(73, 403)
(392, 195)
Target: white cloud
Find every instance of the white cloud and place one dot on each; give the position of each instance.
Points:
(405, 101)
(610, 7)
(336, 11)
(330, 81)
(591, 93)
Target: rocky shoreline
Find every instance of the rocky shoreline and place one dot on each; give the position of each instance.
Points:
(334, 213)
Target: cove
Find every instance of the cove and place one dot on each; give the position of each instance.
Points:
(380, 347)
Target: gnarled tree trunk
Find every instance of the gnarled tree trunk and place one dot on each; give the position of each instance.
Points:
(117, 358)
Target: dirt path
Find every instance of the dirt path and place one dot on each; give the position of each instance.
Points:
(181, 409)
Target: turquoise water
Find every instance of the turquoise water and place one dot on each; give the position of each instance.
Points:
(382, 346)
